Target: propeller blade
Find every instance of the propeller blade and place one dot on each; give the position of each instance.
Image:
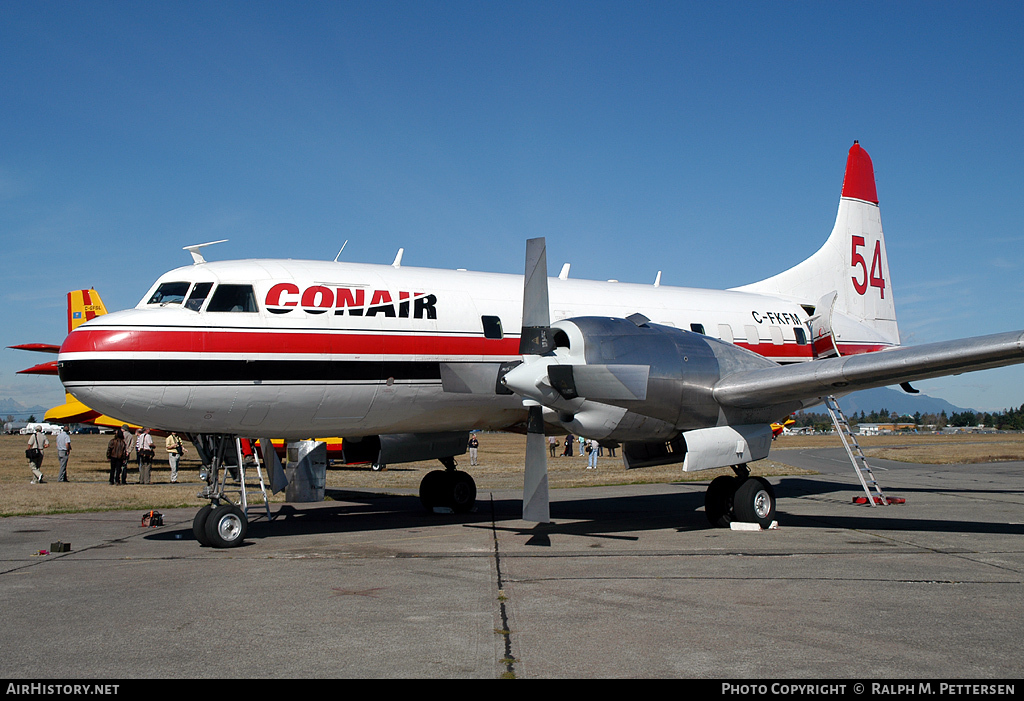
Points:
(536, 332)
(535, 482)
(536, 339)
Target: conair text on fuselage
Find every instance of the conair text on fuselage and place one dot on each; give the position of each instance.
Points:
(285, 297)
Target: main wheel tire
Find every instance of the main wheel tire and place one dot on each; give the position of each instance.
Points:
(718, 501)
(199, 524)
(462, 492)
(226, 526)
(432, 489)
(755, 502)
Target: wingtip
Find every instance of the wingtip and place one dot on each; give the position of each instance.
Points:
(859, 181)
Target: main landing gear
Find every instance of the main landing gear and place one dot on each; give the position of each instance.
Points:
(448, 488)
(742, 498)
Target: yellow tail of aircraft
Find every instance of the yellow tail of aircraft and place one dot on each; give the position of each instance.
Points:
(82, 306)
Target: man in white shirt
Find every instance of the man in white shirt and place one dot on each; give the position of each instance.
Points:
(63, 452)
(144, 451)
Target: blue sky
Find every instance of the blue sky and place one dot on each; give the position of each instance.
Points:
(706, 140)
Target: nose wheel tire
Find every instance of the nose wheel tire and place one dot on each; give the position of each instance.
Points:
(226, 526)
(199, 524)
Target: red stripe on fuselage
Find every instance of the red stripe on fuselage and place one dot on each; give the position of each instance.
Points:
(141, 340)
(205, 341)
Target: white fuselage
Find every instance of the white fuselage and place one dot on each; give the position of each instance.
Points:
(325, 348)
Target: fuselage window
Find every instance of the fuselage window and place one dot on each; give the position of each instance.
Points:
(233, 298)
(492, 327)
(697, 328)
(801, 338)
(169, 293)
(198, 295)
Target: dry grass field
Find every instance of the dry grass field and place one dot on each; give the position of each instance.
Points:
(500, 468)
(925, 448)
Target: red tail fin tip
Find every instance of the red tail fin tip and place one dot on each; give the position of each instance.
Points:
(859, 182)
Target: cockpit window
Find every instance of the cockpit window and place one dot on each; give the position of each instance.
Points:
(169, 293)
(198, 295)
(233, 298)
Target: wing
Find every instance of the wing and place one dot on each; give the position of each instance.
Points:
(778, 385)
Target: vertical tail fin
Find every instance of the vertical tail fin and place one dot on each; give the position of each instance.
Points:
(852, 264)
(82, 306)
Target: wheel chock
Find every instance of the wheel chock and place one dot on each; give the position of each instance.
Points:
(741, 526)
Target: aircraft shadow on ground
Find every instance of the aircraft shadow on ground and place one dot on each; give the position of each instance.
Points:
(620, 517)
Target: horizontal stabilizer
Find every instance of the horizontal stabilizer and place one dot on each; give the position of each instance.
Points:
(49, 368)
(71, 411)
(39, 347)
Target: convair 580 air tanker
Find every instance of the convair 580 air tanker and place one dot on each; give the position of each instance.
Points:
(402, 362)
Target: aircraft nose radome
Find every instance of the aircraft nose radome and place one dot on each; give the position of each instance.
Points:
(859, 182)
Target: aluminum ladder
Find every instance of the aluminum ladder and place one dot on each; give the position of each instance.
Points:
(228, 478)
(242, 468)
(860, 463)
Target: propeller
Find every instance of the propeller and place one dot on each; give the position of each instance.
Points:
(536, 340)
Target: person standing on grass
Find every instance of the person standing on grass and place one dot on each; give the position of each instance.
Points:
(175, 450)
(117, 454)
(63, 452)
(144, 449)
(129, 440)
(37, 443)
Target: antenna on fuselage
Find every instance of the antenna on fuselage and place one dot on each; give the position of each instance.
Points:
(564, 274)
(339, 252)
(657, 280)
(197, 257)
(398, 259)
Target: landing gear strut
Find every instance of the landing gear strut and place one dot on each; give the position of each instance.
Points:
(448, 488)
(221, 523)
(742, 498)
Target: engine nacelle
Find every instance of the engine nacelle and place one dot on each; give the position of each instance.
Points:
(404, 447)
(703, 448)
(629, 380)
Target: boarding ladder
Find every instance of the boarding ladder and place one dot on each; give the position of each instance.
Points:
(236, 477)
(860, 463)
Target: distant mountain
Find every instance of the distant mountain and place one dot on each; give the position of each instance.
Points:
(868, 400)
(12, 406)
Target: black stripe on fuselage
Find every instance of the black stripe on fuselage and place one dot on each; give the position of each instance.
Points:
(75, 371)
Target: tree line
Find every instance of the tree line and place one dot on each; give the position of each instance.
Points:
(1006, 420)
